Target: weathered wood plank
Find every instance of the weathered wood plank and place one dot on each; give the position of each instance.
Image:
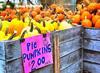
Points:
(91, 68)
(47, 69)
(67, 47)
(75, 68)
(92, 33)
(2, 51)
(70, 59)
(92, 56)
(2, 66)
(13, 50)
(14, 66)
(92, 45)
(68, 33)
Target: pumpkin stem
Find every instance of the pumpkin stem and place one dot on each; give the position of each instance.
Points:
(38, 29)
(31, 29)
(13, 35)
(44, 24)
(6, 32)
(0, 24)
(22, 35)
(85, 17)
(18, 13)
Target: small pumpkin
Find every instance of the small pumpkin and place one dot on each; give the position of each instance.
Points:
(15, 25)
(37, 18)
(60, 17)
(59, 10)
(91, 6)
(95, 18)
(86, 23)
(86, 14)
(34, 13)
(76, 18)
(37, 9)
(53, 6)
(98, 6)
(97, 24)
(83, 10)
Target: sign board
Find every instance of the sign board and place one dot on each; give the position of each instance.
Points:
(36, 52)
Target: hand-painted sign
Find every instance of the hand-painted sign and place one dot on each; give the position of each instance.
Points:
(36, 52)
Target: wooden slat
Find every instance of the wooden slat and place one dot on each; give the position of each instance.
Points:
(56, 55)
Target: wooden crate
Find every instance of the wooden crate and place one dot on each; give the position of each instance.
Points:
(69, 44)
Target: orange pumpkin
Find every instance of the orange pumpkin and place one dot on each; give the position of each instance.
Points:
(37, 9)
(97, 24)
(52, 16)
(3, 13)
(34, 13)
(59, 10)
(76, 18)
(83, 10)
(43, 13)
(37, 18)
(86, 14)
(69, 14)
(95, 18)
(98, 6)
(98, 12)
(16, 25)
(53, 6)
(91, 6)
(60, 17)
(86, 23)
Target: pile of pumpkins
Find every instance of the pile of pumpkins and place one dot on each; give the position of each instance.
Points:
(24, 22)
(88, 16)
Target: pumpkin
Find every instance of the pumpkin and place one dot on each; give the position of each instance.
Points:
(76, 18)
(34, 13)
(60, 17)
(98, 12)
(37, 9)
(91, 6)
(3, 13)
(53, 6)
(43, 13)
(97, 24)
(98, 6)
(86, 23)
(59, 10)
(83, 10)
(86, 14)
(95, 18)
(69, 14)
(16, 25)
(37, 18)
